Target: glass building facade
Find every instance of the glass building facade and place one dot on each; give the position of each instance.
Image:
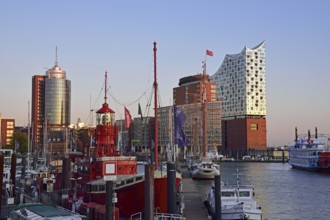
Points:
(57, 97)
(57, 101)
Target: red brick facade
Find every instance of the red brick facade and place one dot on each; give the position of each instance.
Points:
(7, 131)
(244, 134)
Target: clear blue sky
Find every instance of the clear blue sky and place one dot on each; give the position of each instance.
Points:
(118, 36)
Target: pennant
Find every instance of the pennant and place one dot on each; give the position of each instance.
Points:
(179, 120)
(209, 53)
(128, 119)
(140, 112)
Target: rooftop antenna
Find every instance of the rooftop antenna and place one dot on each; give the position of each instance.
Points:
(56, 61)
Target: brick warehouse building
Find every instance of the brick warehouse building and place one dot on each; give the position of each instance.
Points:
(241, 86)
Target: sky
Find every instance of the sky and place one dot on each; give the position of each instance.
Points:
(117, 36)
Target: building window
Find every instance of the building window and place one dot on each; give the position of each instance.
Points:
(254, 127)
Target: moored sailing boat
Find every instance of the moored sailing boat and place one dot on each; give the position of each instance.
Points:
(205, 168)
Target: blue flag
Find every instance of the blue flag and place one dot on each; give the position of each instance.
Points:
(179, 120)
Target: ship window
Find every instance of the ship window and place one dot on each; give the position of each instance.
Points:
(120, 183)
(244, 194)
(129, 181)
(101, 188)
(139, 178)
(227, 194)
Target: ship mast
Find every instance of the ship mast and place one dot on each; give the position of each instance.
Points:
(156, 108)
(105, 86)
(204, 109)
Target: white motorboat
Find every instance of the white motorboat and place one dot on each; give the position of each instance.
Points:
(205, 170)
(237, 202)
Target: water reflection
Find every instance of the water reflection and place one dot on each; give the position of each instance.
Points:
(282, 192)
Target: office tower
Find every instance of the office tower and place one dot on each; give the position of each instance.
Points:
(51, 110)
(241, 86)
(38, 111)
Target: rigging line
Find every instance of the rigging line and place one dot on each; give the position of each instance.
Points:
(149, 82)
(159, 98)
(149, 102)
(127, 103)
(95, 103)
(130, 103)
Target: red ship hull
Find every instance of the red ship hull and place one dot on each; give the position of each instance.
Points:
(324, 162)
(131, 193)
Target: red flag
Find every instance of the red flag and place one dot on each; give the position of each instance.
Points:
(209, 53)
(128, 118)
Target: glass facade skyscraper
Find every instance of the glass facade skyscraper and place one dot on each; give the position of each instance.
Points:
(57, 97)
(51, 108)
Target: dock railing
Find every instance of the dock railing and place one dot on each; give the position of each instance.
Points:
(158, 216)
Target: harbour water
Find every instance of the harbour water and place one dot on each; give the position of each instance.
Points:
(282, 192)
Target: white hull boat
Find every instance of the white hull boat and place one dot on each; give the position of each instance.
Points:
(237, 202)
(205, 170)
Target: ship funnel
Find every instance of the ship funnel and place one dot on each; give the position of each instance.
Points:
(315, 132)
(309, 134)
(296, 134)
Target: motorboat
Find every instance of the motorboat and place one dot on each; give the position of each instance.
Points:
(237, 202)
(205, 170)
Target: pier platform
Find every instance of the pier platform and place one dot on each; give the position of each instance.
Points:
(194, 208)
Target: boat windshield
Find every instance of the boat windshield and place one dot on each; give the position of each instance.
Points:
(232, 194)
(244, 194)
(227, 194)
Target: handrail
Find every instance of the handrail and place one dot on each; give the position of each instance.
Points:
(159, 216)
